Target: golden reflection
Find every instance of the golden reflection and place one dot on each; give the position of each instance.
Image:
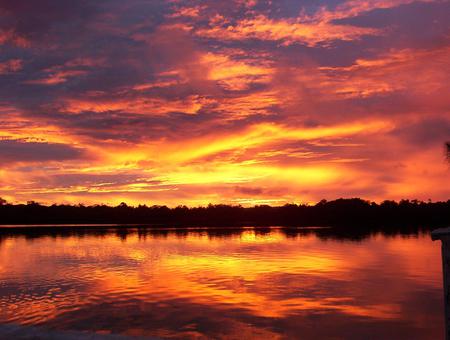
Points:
(266, 274)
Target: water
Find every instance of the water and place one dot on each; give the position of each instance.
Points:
(234, 284)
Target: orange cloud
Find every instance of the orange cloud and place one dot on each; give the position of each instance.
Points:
(236, 74)
(139, 105)
(56, 78)
(263, 134)
(10, 36)
(12, 65)
(393, 71)
(192, 12)
(287, 31)
(353, 8)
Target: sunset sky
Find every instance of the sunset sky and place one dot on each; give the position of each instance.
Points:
(239, 102)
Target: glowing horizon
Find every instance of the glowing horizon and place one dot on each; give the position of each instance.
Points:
(244, 102)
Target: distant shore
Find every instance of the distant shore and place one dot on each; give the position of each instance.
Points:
(343, 213)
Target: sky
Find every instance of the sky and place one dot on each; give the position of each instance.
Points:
(237, 102)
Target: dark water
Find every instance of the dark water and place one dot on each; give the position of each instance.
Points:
(241, 284)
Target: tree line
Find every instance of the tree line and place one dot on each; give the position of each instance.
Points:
(341, 212)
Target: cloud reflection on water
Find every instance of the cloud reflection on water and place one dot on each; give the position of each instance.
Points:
(244, 282)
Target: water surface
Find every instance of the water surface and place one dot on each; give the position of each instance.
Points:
(236, 284)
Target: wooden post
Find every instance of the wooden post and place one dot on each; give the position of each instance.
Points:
(443, 234)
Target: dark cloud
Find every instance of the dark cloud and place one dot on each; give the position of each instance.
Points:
(249, 191)
(404, 24)
(23, 151)
(425, 133)
(33, 20)
(88, 180)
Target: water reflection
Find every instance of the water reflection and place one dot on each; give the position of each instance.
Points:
(232, 283)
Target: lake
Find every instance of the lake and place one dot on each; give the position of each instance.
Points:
(223, 283)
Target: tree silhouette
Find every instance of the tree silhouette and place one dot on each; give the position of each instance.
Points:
(353, 213)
